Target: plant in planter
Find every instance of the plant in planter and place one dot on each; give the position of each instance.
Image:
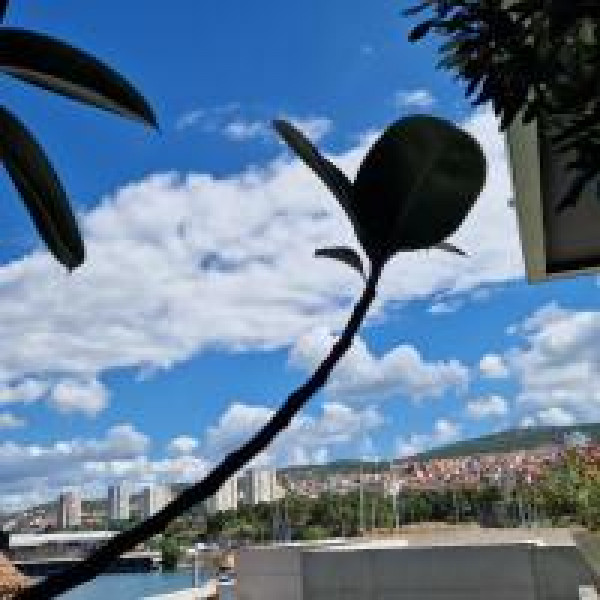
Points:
(537, 56)
(413, 190)
(56, 66)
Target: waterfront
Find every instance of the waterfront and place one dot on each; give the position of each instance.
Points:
(132, 586)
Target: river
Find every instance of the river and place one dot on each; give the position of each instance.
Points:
(131, 586)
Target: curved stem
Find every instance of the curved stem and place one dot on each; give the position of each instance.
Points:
(101, 558)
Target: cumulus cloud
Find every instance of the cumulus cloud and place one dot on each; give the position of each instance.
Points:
(421, 98)
(492, 366)
(360, 376)
(444, 432)
(71, 395)
(27, 390)
(555, 415)
(189, 119)
(180, 263)
(35, 473)
(10, 421)
(183, 445)
(308, 439)
(558, 364)
(41, 471)
(242, 130)
(486, 407)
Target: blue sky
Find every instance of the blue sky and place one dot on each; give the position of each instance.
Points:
(200, 305)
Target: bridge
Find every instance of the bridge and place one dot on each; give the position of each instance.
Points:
(40, 554)
(131, 562)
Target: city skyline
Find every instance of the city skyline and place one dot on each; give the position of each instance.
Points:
(201, 305)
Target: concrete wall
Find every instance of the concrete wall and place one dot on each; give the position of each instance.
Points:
(269, 574)
(494, 572)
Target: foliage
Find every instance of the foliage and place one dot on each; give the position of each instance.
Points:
(170, 552)
(413, 190)
(313, 532)
(538, 56)
(573, 488)
(56, 66)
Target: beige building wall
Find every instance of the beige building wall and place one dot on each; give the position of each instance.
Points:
(68, 510)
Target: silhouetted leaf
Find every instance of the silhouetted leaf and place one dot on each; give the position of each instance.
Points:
(416, 185)
(421, 30)
(40, 190)
(57, 66)
(339, 185)
(3, 9)
(346, 255)
(413, 10)
(575, 191)
(447, 247)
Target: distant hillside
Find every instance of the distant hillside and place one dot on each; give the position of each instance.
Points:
(511, 440)
(505, 441)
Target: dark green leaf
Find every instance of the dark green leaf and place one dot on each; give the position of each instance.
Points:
(40, 190)
(346, 255)
(417, 185)
(575, 190)
(58, 67)
(338, 184)
(448, 247)
(421, 30)
(3, 9)
(413, 10)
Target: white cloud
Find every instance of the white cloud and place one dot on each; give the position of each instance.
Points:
(361, 376)
(34, 473)
(555, 415)
(315, 128)
(10, 421)
(229, 121)
(242, 131)
(486, 407)
(492, 367)
(190, 119)
(177, 264)
(558, 365)
(526, 422)
(308, 439)
(419, 97)
(71, 395)
(183, 445)
(444, 432)
(28, 390)
(19, 463)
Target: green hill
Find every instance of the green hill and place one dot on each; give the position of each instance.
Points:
(505, 441)
(512, 440)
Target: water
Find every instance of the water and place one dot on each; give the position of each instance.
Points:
(131, 586)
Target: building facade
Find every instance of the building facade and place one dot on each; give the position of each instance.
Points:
(154, 498)
(259, 485)
(225, 499)
(118, 502)
(68, 510)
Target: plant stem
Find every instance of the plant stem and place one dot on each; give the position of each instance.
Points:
(103, 557)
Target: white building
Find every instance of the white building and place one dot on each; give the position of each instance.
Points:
(154, 498)
(225, 499)
(118, 502)
(259, 485)
(68, 512)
